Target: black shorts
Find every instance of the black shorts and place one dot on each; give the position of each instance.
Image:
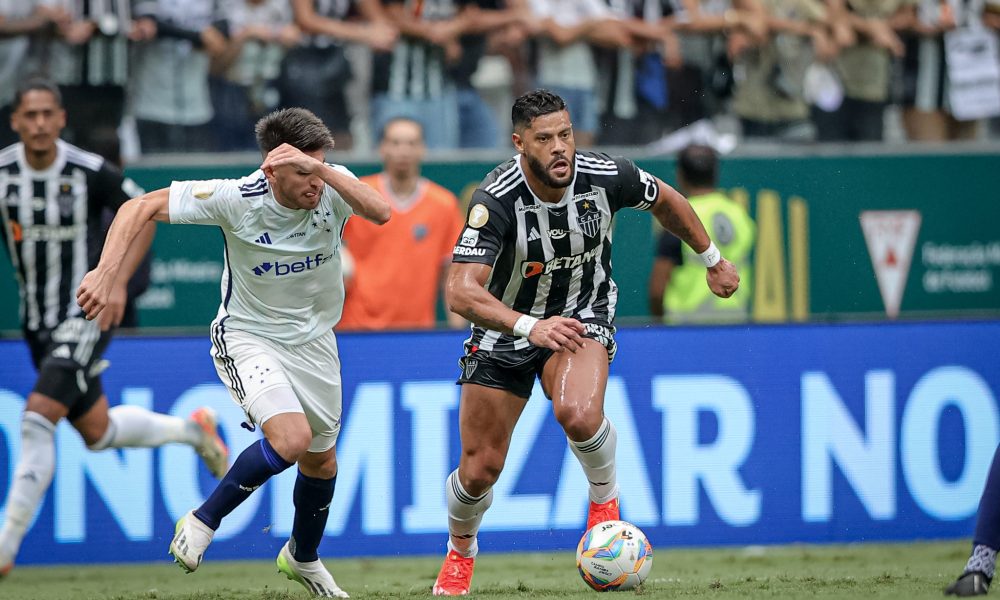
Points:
(69, 364)
(515, 370)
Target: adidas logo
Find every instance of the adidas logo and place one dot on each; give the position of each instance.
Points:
(264, 239)
(534, 235)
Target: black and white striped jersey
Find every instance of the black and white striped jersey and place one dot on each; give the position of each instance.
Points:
(51, 226)
(551, 258)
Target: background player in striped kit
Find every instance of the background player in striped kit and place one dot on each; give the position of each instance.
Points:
(51, 198)
(532, 271)
(272, 340)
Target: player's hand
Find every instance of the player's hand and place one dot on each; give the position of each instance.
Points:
(287, 154)
(93, 293)
(558, 333)
(113, 312)
(723, 279)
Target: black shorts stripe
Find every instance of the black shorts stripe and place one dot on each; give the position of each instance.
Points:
(219, 341)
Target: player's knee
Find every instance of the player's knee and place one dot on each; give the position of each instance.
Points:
(319, 466)
(578, 424)
(291, 444)
(481, 470)
(94, 438)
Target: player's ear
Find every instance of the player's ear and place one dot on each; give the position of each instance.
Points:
(518, 142)
(269, 173)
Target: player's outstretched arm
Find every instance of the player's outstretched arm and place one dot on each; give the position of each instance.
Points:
(674, 212)
(132, 219)
(466, 295)
(362, 198)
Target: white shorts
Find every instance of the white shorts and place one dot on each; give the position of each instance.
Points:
(252, 366)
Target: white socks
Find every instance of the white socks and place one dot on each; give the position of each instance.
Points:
(31, 480)
(465, 513)
(597, 457)
(135, 427)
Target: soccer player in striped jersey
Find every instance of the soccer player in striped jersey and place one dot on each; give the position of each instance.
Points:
(532, 271)
(51, 198)
(272, 341)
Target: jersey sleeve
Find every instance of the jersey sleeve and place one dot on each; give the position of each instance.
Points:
(637, 188)
(208, 202)
(486, 227)
(109, 188)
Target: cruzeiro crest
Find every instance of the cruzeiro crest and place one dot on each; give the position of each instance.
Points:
(588, 216)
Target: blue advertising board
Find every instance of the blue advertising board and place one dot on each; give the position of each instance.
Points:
(735, 435)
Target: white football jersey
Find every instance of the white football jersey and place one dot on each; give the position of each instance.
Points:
(282, 278)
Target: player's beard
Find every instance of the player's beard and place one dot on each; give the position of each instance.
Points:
(542, 173)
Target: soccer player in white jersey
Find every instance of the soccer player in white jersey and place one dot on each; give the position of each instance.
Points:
(272, 341)
(50, 222)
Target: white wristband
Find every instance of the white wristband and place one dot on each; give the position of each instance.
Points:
(710, 257)
(523, 325)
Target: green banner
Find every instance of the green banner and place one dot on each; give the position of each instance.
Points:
(838, 237)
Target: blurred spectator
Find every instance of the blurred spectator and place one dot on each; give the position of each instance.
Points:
(712, 35)
(511, 43)
(477, 124)
(635, 91)
(864, 67)
(678, 276)
(400, 267)
(169, 90)
(86, 54)
(768, 95)
(414, 79)
(949, 41)
(566, 64)
(243, 78)
(18, 20)
(315, 74)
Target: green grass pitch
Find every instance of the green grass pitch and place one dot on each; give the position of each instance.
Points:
(906, 571)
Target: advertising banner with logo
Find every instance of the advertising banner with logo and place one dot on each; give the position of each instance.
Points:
(791, 433)
(817, 257)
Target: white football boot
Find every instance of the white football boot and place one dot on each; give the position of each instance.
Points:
(312, 575)
(191, 538)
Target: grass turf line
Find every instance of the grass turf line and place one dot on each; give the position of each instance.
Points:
(905, 571)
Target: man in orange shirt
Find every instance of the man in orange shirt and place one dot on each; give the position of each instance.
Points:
(399, 267)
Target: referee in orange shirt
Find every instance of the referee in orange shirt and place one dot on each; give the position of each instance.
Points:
(400, 266)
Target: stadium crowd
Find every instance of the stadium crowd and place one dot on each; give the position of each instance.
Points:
(194, 75)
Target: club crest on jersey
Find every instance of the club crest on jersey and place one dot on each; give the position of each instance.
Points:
(470, 367)
(66, 200)
(588, 216)
(478, 216)
(203, 190)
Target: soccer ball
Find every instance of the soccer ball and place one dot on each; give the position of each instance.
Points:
(614, 555)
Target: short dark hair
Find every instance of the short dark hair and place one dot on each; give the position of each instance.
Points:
(297, 127)
(534, 104)
(400, 119)
(699, 165)
(35, 84)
